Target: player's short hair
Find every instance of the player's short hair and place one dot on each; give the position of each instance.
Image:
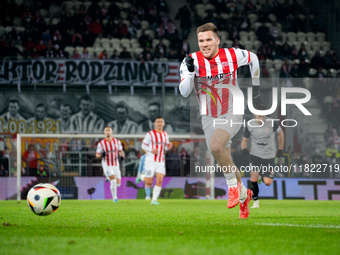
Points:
(159, 117)
(40, 105)
(13, 100)
(155, 103)
(108, 127)
(207, 27)
(86, 98)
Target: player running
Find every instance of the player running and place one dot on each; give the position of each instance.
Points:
(262, 150)
(108, 150)
(155, 143)
(204, 70)
(141, 171)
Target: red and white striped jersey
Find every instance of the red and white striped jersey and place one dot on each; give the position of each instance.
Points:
(219, 70)
(111, 148)
(156, 140)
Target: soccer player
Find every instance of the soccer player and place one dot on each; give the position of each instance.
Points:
(141, 171)
(204, 70)
(108, 150)
(155, 143)
(262, 131)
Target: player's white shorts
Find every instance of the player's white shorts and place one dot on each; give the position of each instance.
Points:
(111, 170)
(228, 122)
(152, 167)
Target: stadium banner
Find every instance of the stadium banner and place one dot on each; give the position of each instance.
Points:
(176, 187)
(89, 72)
(43, 112)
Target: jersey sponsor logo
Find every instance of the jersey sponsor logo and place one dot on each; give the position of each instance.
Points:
(216, 77)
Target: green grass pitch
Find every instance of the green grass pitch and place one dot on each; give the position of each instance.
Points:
(174, 227)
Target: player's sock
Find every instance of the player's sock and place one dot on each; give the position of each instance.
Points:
(255, 189)
(243, 193)
(113, 188)
(148, 192)
(155, 193)
(118, 184)
(231, 179)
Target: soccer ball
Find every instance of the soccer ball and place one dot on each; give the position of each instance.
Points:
(43, 199)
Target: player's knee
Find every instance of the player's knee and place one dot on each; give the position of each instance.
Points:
(268, 181)
(148, 181)
(215, 147)
(112, 177)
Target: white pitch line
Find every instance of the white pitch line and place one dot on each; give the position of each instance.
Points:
(296, 225)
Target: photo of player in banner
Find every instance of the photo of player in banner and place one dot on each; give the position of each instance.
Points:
(69, 113)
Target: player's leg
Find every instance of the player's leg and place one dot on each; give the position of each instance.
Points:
(113, 188)
(148, 181)
(157, 189)
(148, 177)
(118, 177)
(254, 175)
(268, 181)
(218, 137)
(109, 173)
(268, 176)
(220, 148)
(118, 182)
(140, 176)
(147, 191)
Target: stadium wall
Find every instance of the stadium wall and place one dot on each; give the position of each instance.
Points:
(85, 188)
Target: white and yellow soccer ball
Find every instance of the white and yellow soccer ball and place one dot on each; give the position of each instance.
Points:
(43, 199)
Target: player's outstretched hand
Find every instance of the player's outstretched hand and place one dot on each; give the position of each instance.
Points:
(279, 153)
(189, 61)
(103, 154)
(257, 100)
(245, 152)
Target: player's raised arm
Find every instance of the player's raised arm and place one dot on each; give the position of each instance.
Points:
(187, 73)
(245, 57)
